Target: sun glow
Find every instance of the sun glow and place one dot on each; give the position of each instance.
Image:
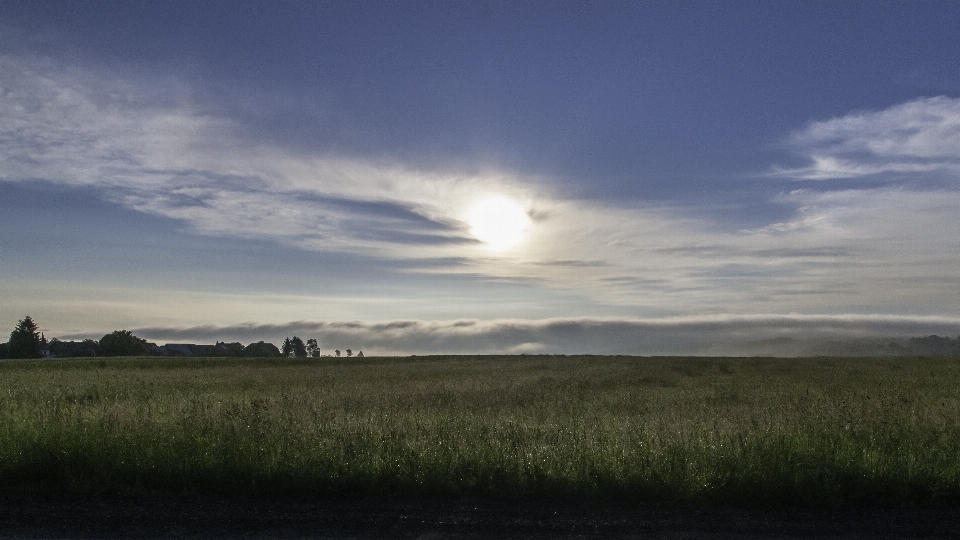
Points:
(498, 222)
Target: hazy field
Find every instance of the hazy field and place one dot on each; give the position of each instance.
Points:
(819, 431)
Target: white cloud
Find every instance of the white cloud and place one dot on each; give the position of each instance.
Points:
(170, 159)
(920, 136)
(149, 148)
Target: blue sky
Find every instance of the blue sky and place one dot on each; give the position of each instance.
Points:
(235, 170)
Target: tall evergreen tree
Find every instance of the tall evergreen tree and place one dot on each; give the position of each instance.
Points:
(287, 348)
(25, 340)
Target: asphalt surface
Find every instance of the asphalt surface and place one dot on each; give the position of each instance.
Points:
(35, 517)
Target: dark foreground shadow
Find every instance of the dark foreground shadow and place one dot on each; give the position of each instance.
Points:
(34, 517)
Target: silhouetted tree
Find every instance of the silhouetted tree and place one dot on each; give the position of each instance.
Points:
(123, 343)
(299, 349)
(338, 352)
(313, 348)
(360, 354)
(294, 348)
(349, 352)
(25, 340)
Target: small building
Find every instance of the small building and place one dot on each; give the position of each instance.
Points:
(73, 349)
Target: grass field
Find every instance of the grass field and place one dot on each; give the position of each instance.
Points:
(688, 430)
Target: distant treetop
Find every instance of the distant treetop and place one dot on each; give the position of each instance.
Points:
(123, 343)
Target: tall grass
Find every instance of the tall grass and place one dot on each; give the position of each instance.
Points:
(809, 431)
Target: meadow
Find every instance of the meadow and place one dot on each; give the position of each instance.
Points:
(817, 431)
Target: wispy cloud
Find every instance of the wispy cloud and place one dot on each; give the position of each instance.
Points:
(159, 154)
(149, 146)
(917, 137)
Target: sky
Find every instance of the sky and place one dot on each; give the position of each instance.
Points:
(479, 176)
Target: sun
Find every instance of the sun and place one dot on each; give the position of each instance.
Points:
(498, 222)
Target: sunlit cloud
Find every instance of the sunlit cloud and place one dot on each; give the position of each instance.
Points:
(920, 136)
(170, 159)
(150, 147)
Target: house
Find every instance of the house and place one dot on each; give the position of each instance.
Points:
(192, 349)
(188, 349)
(73, 349)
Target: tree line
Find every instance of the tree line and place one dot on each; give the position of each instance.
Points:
(26, 341)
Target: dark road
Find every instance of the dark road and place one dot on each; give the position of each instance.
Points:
(34, 517)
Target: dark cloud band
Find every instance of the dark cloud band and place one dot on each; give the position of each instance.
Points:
(696, 335)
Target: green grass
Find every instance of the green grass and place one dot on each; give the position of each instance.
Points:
(687, 430)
